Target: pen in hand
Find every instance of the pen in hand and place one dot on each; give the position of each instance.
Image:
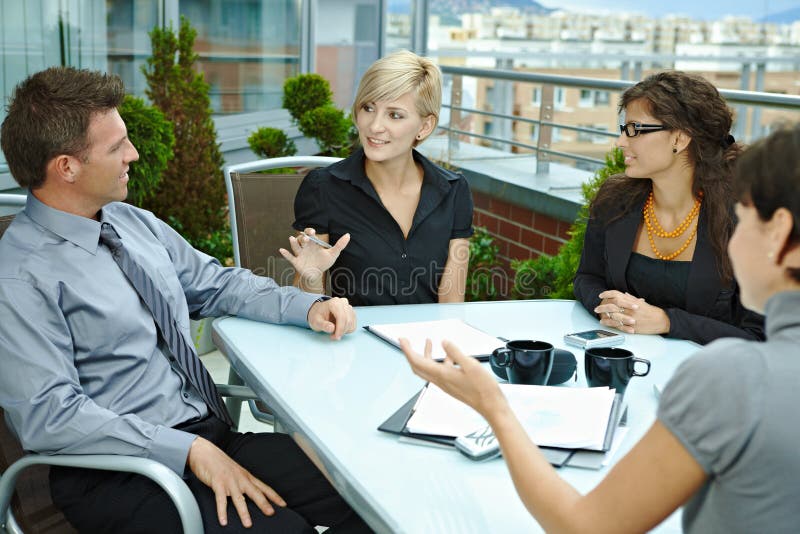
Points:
(318, 241)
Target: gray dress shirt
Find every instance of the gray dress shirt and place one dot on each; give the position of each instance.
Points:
(82, 367)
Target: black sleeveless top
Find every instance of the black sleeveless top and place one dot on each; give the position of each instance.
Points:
(661, 283)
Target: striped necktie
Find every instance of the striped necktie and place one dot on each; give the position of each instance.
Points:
(184, 353)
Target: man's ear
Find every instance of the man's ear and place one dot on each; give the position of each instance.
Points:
(64, 168)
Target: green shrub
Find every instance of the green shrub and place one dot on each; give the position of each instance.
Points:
(154, 138)
(552, 276)
(305, 92)
(192, 190)
(271, 143)
(330, 127)
(484, 274)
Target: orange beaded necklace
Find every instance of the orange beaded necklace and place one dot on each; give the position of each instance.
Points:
(655, 228)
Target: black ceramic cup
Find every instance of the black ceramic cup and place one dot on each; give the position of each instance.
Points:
(525, 361)
(612, 367)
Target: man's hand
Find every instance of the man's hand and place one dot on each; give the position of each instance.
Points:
(461, 376)
(333, 316)
(226, 478)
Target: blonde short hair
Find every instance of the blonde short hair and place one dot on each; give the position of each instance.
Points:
(401, 72)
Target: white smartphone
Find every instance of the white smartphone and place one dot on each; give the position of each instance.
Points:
(594, 338)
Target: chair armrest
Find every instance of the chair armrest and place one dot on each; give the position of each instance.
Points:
(176, 488)
(236, 392)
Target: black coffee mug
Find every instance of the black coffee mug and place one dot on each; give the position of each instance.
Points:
(612, 367)
(525, 361)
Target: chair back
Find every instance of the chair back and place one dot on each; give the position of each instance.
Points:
(261, 209)
(33, 510)
(5, 221)
(15, 203)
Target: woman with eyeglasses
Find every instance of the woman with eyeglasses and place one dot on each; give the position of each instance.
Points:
(654, 258)
(724, 444)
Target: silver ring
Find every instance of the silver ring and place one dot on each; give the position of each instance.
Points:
(621, 309)
(620, 323)
(608, 314)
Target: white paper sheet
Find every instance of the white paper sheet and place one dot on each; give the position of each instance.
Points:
(469, 339)
(553, 417)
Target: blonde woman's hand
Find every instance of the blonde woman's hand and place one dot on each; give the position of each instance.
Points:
(309, 259)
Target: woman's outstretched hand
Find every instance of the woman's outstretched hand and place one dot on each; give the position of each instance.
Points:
(461, 376)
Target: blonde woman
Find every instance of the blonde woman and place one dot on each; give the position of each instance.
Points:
(399, 223)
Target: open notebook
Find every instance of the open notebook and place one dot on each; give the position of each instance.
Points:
(469, 339)
(569, 418)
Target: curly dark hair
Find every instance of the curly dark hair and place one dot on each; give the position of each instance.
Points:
(49, 115)
(687, 102)
(767, 176)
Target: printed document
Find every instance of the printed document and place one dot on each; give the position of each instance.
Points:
(571, 418)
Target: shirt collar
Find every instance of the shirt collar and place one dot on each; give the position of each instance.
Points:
(435, 182)
(351, 169)
(78, 230)
(781, 312)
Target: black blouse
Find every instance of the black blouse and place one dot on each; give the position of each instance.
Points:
(661, 283)
(379, 266)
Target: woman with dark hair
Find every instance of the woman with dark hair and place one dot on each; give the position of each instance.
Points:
(654, 258)
(724, 444)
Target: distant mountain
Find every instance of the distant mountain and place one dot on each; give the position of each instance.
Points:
(451, 10)
(783, 17)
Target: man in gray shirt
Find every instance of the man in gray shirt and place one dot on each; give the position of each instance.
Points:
(95, 364)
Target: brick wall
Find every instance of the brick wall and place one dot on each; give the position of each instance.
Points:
(520, 233)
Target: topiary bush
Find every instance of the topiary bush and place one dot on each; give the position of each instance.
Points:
(305, 92)
(271, 143)
(154, 138)
(552, 276)
(192, 190)
(330, 127)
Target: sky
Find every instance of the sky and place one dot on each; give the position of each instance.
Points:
(699, 9)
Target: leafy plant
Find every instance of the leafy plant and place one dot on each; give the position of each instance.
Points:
(305, 92)
(308, 98)
(154, 138)
(330, 127)
(192, 191)
(484, 273)
(552, 276)
(271, 143)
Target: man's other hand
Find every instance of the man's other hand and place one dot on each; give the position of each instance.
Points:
(226, 478)
(333, 316)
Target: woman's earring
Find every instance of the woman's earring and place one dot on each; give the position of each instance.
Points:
(674, 150)
(419, 137)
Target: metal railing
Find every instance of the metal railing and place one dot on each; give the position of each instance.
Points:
(543, 148)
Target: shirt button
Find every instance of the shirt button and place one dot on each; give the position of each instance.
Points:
(404, 255)
(185, 395)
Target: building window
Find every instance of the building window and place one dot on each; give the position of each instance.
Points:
(591, 98)
(536, 99)
(594, 138)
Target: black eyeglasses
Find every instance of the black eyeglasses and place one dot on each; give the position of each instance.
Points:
(632, 129)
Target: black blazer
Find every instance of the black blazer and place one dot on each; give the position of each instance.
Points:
(712, 310)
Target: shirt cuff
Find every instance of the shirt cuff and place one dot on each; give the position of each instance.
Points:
(171, 448)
